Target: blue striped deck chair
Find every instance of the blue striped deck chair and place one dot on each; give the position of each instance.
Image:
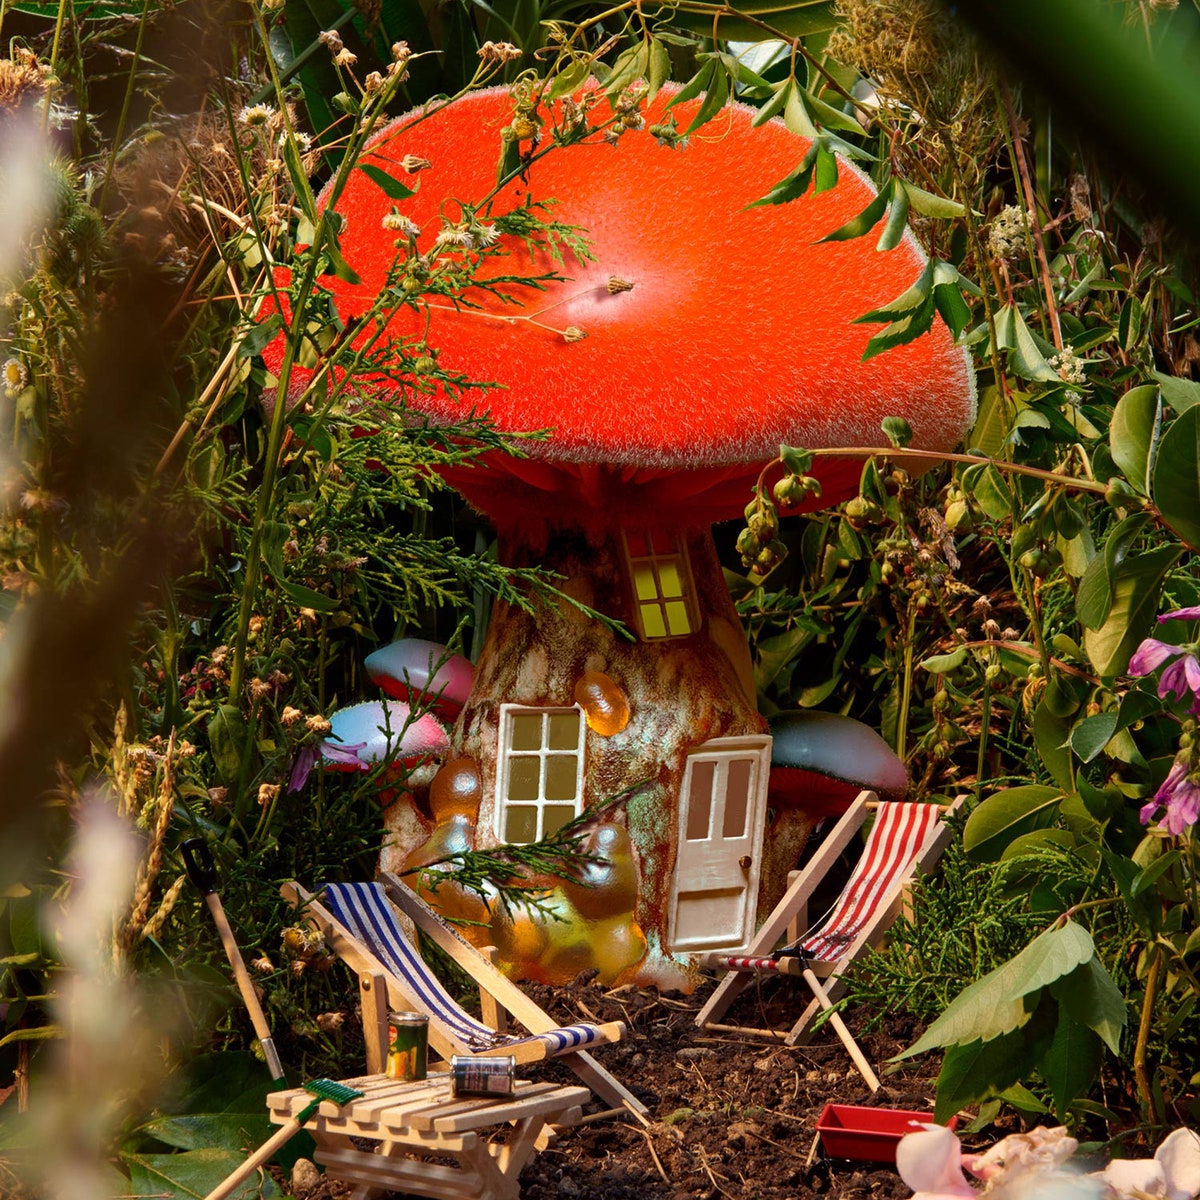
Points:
(365, 929)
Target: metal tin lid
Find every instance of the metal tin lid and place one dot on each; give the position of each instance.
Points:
(407, 1018)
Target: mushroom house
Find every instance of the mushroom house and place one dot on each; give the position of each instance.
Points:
(667, 370)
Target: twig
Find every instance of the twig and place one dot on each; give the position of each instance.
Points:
(778, 1146)
(662, 1172)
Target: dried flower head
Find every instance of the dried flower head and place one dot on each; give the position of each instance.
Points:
(345, 58)
(1006, 234)
(616, 285)
(267, 793)
(329, 1021)
(372, 83)
(397, 222)
(263, 965)
(412, 163)
(318, 725)
(573, 333)
(497, 54)
(331, 40)
(290, 715)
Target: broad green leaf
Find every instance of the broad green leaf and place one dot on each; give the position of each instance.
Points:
(1150, 875)
(830, 117)
(1176, 488)
(205, 1131)
(256, 340)
(996, 1004)
(390, 186)
(714, 99)
(796, 118)
(1136, 589)
(952, 308)
(777, 653)
(698, 83)
(939, 664)
(1129, 323)
(1071, 1064)
(570, 79)
(826, 173)
(1133, 434)
(979, 1070)
(773, 107)
(1180, 394)
(227, 741)
(1038, 840)
(1097, 588)
(1024, 356)
(1050, 734)
(658, 69)
(929, 205)
(797, 461)
(897, 431)
(1092, 734)
(192, 1175)
(1004, 815)
(1049, 957)
(1090, 997)
(798, 19)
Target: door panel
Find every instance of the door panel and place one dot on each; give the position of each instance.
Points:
(722, 802)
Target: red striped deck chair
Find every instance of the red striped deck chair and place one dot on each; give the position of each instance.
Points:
(362, 924)
(905, 837)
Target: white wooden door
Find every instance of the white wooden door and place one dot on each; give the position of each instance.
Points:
(721, 806)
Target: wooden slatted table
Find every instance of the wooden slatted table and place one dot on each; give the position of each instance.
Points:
(415, 1121)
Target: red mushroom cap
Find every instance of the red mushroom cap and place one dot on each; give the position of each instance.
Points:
(738, 333)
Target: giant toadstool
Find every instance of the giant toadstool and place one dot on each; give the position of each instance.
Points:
(664, 400)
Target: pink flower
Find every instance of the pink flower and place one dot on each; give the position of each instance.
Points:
(1181, 678)
(1179, 795)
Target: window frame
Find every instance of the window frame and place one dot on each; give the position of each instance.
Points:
(678, 553)
(542, 753)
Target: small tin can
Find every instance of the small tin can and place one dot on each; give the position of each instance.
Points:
(408, 1045)
(490, 1076)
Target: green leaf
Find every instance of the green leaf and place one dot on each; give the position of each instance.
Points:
(390, 186)
(792, 186)
(570, 79)
(700, 82)
(978, 1070)
(864, 222)
(260, 335)
(1089, 996)
(1150, 875)
(1133, 434)
(658, 69)
(940, 664)
(1137, 586)
(796, 461)
(914, 298)
(897, 222)
(991, 492)
(996, 1003)
(1097, 588)
(193, 1174)
(1004, 815)
(1092, 734)
(1180, 394)
(795, 115)
(1024, 356)
(798, 19)
(929, 205)
(1071, 1064)
(714, 100)
(1176, 488)
(1050, 734)
(227, 741)
(830, 117)
(952, 308)
(897, 431)
(826, 176)
(1129, 323)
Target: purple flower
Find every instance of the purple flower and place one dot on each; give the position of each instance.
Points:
(329, 751)
(1181, 679)
(1179, 795)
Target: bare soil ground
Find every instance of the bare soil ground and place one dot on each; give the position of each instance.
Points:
(729, 1116)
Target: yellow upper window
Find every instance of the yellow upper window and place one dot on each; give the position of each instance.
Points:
(662, 583)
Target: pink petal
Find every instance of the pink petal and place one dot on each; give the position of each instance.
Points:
(1176, 679)
(1182, 614)
(1150, 655)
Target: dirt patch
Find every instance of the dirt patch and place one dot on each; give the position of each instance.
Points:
(729, 1115)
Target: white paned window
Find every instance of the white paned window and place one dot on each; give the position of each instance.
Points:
(540, 772)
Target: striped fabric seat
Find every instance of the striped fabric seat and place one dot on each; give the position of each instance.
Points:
(905, 837)
(893, 846)
(367, 915)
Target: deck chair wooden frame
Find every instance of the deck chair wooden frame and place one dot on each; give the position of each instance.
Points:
(861, 915)
(392, 976)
